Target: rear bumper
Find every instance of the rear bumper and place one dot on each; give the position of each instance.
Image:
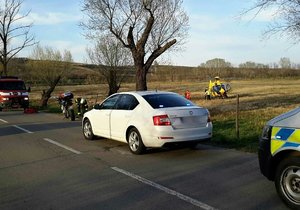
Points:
(191, 142)
(166, 135)
(265, 159)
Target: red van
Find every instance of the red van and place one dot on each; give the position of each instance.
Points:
(13, 93)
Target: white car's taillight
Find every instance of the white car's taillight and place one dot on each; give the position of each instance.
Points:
(161, 120)
(208, 118)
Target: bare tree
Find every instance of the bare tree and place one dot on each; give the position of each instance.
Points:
(11, 28)
(49, 66)
(286, 17)
(217, 63)
(146, 27)
(112, 60)
(285, 63)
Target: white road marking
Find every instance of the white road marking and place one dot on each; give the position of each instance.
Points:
(22, 129)
(62, 146)
(4, 121)
(165, 189)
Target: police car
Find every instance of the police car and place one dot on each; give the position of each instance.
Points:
(279, 155)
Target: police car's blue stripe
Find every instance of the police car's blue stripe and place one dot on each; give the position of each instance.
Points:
(284, 134)
(290, 144)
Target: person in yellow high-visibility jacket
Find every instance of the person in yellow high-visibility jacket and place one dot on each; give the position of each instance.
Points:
(217, 85)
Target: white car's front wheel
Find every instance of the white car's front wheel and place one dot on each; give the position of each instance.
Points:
(135, 142)
(87, 130)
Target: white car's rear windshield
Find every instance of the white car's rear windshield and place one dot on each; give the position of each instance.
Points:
(158, 101)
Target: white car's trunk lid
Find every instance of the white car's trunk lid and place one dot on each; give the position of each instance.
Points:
(187, 117)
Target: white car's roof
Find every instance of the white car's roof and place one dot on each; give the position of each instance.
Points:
(143, 93)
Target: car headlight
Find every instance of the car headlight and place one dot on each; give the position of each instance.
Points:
(266, 134)
(5, 99)
(26, 98)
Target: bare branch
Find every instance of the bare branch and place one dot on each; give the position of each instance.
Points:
(286, 19)
(143, 26)
(10, 29)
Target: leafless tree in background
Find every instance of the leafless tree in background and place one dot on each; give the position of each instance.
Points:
(146, 27)
(11, 29)
(286, 17)
(49, 66)
(112, 60)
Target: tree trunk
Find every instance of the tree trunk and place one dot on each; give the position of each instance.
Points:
(113, 88)
(113, 85)
(46, 94)
(5, 69)
(141, 78)
(4, 66)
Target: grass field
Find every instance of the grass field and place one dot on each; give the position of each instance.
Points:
(260, 101)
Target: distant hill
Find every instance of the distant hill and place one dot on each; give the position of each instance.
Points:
(89, 74)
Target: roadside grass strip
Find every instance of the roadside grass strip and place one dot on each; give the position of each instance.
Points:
(165, 189)
(62, 146)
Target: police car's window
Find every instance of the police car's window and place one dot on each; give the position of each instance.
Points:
(127, 102)
(167, 100)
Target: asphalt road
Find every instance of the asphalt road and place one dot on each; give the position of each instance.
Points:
(45, 163)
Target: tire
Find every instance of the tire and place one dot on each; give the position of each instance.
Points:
(135, 142)
(66, 113)
(72, 114)
(287, 181)
(87, 130)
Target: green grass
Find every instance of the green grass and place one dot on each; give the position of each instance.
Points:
(251, 123)
(51, 108)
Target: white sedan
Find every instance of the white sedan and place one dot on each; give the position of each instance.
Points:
(147, 119)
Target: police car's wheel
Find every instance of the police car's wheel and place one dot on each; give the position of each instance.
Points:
(287, 181)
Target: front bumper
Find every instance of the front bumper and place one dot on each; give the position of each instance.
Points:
(265, 158)
(14, 103)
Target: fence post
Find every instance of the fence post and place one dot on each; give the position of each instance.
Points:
(237, 119)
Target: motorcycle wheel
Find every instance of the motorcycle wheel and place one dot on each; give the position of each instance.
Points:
(72, 114)
(66, 113)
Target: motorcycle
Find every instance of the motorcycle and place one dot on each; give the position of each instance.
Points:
(65, 101)
(82, 106)
(217, 89)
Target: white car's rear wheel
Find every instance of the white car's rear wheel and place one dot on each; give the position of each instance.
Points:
(135, 142)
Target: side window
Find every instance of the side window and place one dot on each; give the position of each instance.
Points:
(110, 102)
(127, 102)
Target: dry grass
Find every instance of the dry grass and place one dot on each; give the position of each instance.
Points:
(260, 101)
(255, 95)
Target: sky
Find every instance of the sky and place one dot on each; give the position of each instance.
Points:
(215, 31)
